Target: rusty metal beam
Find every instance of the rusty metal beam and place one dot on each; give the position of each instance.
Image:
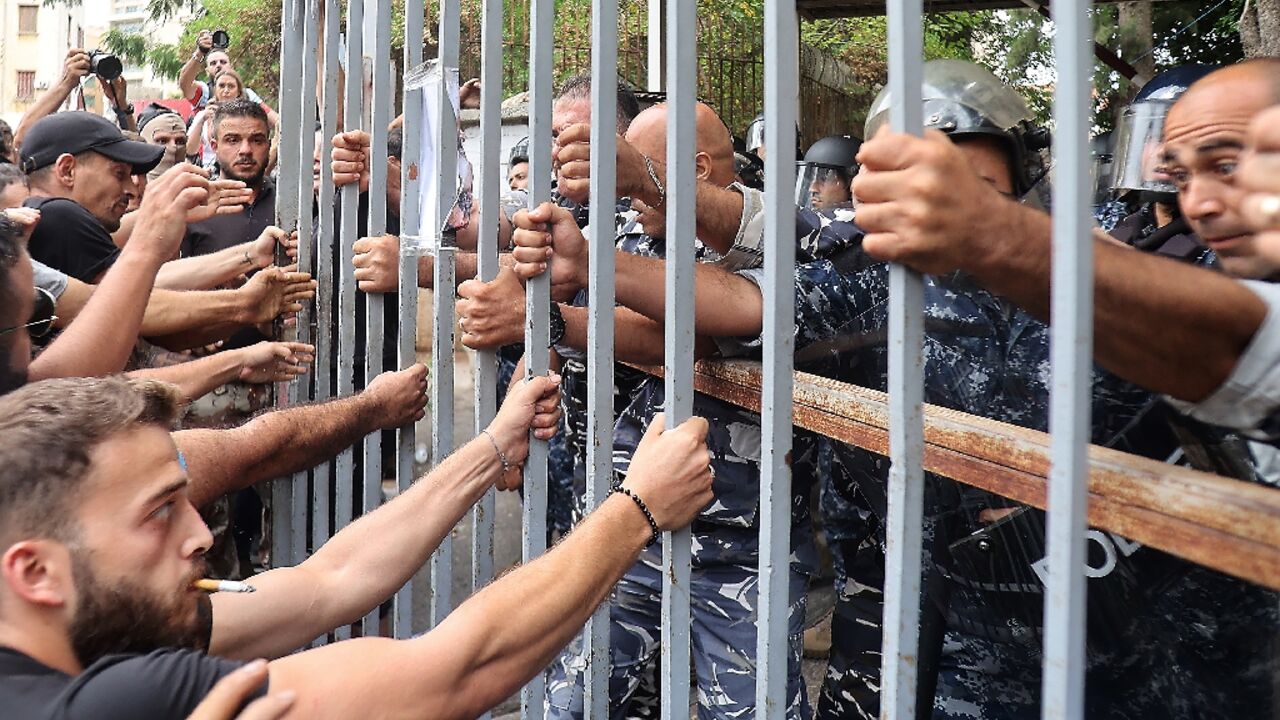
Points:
(1221, 523)
(827, 9)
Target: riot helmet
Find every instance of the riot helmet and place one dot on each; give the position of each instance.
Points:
(1137, 165)
(822, 182)
(754, 137)
(519, 152)
(962, 99)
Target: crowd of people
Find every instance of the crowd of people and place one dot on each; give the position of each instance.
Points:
(146, 288)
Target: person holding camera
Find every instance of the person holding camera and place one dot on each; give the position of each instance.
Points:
(78, 64)
(211, 54)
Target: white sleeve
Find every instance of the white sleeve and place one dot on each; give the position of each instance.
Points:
(748, 245)
(1250, 396)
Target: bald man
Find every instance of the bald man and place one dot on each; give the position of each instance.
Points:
(725, 578)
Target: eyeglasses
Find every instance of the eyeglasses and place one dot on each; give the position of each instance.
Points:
(42, 316)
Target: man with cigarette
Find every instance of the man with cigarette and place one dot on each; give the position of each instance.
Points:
(100, 546)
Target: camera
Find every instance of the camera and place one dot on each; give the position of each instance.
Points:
(221, 40)
(105, 65)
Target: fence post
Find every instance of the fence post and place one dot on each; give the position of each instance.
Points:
(682, 88)
(781, 90)
(407, 291)
(600, 326)
(537, 300)
(446, 172)
(1071, 346)
(900, 648)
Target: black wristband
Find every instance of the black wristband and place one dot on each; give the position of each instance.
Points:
(653, 524)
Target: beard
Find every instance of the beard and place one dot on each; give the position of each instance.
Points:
(254, 180)
(126, 618)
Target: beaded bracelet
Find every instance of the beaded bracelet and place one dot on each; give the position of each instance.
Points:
(653, 524)
(506, 466)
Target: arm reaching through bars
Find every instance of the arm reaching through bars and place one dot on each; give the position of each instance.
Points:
(367, 562)
(727, 305)
(508, 632)
(922, 205)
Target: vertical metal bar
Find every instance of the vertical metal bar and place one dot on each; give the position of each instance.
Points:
(654, 74)
(600, 330)
(352, 117)
(537, 301)
(306, 252)
(410, 184)
(1071, 346)
(682, 89)
(379, 116)
(781, 98)
(284, 544)
(322, 485)
(486, 369)
(446, 171)
(900, 648)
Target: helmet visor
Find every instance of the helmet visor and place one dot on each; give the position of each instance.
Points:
(755, 136)
(1138, 163)
(823, 188)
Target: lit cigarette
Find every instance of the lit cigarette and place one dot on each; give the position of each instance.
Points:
(223, 586)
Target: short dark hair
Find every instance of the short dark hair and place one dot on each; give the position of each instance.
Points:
(395, 143)
(579, 88)
(11, 175)
(241, 108)
(49, 429)
(40, 175)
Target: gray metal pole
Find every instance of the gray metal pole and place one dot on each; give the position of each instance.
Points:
(352, 120)
(682, 92)
(374, 318)
(537, 301)
(900, 649)
(446, 171)
(323, 485)
(600, 329)
(781, 100)
(486, 369)
(284, 545)
(410, 225)
(1071, 346)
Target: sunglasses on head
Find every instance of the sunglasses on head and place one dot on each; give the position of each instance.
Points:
(42, 316)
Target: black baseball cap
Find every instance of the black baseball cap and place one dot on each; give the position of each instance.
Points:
(76, 131)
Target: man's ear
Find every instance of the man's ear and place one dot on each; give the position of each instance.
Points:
(64, 169)
(702, 162)
(38, 572)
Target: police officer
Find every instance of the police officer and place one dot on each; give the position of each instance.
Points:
(826, 172)
(518, 166)
(1155, 224)
(981, 622)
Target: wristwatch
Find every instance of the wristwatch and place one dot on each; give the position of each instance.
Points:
(557, 325)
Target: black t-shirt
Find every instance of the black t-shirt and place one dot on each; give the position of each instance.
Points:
(157, 686)
(69, 238)
(223, 231)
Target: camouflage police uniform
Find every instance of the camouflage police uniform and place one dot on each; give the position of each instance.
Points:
(988, 358)
(725, 550)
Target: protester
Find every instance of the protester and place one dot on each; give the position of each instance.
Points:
(119, 514)
(161, 126)
(227, 87)
(241, 142)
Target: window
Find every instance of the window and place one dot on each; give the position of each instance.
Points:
(27, 15)
(26, 85)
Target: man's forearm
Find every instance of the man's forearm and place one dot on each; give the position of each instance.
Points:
(1159, 323)
(274, 444)
(46, 104)
(206, 271)
(487, 648)
(197, 377)
(101, 338)
(172, 311)
(187, 76)
(637, 339)
(726, 305)
(358, 568)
